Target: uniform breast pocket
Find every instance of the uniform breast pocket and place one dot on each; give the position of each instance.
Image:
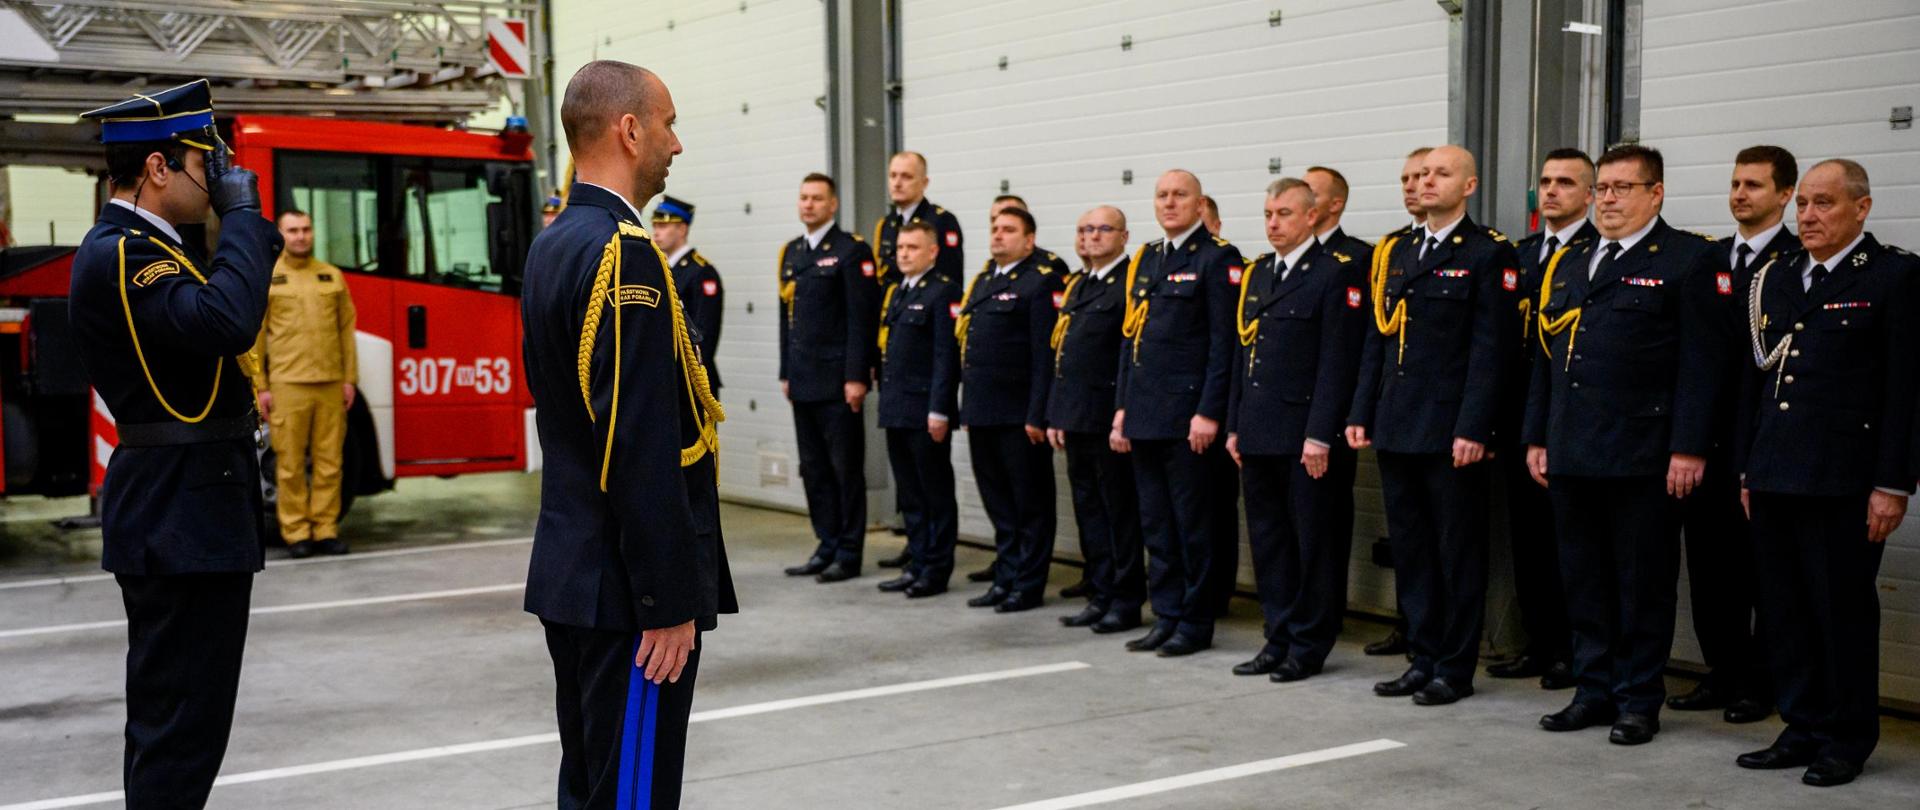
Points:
(1558, 302)
(1447, 289)
(912, 317)
(999, 306)
(1646, 301)
(1184, 289)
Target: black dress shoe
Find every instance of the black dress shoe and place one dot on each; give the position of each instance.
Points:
(837, 572)
(1016, 603)
(1746, 710)
(922, 590)
(1262, 664)
(1292, 670)
(1702, 698)
(1182, 644)
(1777, 757)
(1117, 621)
(898, 561)
(1634, 729)
(1829, 772)
(1558, 676)
(898, 584)
(1440, 692)
(994, 595)
(982, 575)
(1393, 644)
(1156, 636)
(809, 568)
(1076, 590)
(1407, 684)
(1526, 666)
(303, 549)
(333, 546)
(1087, 617)
(1579, 715)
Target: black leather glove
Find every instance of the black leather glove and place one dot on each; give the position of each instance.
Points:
(231, 188)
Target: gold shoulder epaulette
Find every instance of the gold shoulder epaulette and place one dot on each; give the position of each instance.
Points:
(1221, 241)
(701, 259)
(1703, 236)
(1263, 257)
(1051, 257)
(939, 210)
(630, 229)
(857, 237)
(1344, 258)
(1497, 236)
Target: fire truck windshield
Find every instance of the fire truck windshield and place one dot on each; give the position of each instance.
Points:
(450, 221)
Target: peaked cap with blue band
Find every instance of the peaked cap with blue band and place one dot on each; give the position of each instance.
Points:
(672, 210)
(176, 114)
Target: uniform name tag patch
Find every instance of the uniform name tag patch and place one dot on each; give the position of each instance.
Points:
(711, 287)
(1645, 282)
(1510, 280)
(1848, 305)
(1353, 298)
(1453, 273)
(1233, 274)
(636, 294)
(281, 279)
(1723, 283)
(1177, 278)
(154, 272)
(953, 238)
(866, 269)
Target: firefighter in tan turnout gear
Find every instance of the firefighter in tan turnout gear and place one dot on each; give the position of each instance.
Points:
(305, 384)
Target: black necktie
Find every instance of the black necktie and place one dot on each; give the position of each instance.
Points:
(1553, 245)
(1744, 260)
(1431, 243)
(1606, 259)
(1819, 274)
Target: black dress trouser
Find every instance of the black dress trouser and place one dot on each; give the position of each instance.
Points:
(1106, 508)
(1015, 476)
(923, 479)
(1301, 532)
(1620, 559)
(1437, 524)
(833, 445)
(623, 739)
(186, 634)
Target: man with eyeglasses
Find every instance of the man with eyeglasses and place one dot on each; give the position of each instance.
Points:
(1176, 365)
(1086, 354)
(1824, 443)
(1566, 195)
(1395, 642)
(1619, 422)
(1718, 546)
(1426, 401)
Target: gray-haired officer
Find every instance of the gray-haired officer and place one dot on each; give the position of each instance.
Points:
(1618, 426)
(701, 293)
(1176, 366)
(1302, 322)
(1086, 356)
(1825, 444)
(163, 330)
(829, 322)
(1426, 400)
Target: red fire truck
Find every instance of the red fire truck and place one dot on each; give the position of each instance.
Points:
(432, 226)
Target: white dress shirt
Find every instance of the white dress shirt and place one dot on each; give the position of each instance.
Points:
(152, 218)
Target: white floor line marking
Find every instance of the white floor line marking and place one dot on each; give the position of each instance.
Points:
(439, 752)
(283, 563)
(295, 608)
(1138, 789)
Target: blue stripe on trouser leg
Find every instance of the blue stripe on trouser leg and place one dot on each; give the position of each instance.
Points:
(636, 740)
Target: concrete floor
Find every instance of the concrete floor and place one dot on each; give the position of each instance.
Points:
(327, 684)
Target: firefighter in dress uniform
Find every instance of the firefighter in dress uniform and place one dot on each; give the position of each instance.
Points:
(919, 395)
(700, 289)
(164, 331)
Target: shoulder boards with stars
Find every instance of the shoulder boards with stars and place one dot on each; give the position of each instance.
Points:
(1052, 257)
(1342, 257)
(701, 259)
(1703, 236)
(938, 211)
(1496, 235)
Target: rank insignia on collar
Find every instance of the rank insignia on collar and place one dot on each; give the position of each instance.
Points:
(1457, 239)
(1510, 280)
(1353, 298)
(1723, 283)
(1859, 258)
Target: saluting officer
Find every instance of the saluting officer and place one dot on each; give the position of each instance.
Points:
(829, 317)
(1006, 367)
(162, 330)
(1395, 642)
(1619, 423)
(919, 385)
(1302, 321)
(1566, 195)
(907, 189)
(1086, 355)
(1825, 445)
(628, 563)
(1719, 546)
(1176, 366)
(1427, 400)
(695, 277)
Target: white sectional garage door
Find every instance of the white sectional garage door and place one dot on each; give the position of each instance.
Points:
(745, 83)
(1822, 79)
(1046, 99)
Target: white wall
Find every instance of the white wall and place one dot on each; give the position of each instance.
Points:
(48, 206)
(715, 58)
(1819, 78)
(1207, 86)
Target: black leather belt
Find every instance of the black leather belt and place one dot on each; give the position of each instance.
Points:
(206, 431)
